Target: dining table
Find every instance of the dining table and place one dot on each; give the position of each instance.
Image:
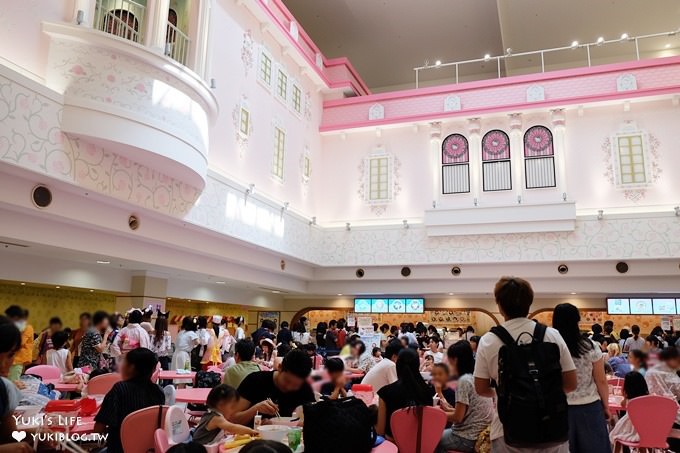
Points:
(61, 386)
(192, 395)
(173, 375)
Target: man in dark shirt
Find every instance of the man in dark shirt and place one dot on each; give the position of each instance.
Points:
(134, 392)
(265, 331)
(268, 392)
(284, 336)
(332, 336)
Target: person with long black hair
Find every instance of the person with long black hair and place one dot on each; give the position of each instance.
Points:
(472, 413)
(589, 403)
(409, 390)
(161, 342)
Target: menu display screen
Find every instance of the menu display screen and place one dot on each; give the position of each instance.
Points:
(378, 305)
(641, 307)
(618, 306)
(415, 305)
(397, 306)
(664, 306)
(389, 305)
(362, 305)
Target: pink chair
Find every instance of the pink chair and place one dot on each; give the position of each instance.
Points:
(137, 433)
(160, 441)
(653, 418)
(615, 386)
(318, 362)
(386, 447)
(404, 423)
(100, 385)
(45, 371)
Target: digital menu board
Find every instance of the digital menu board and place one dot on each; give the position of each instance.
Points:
(641, 306)
(415, 305)
(397, 306)
(664, 306)
(618, 306)
(378, 305)
(362, 305)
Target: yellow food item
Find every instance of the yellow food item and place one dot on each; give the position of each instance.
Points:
(237, 442)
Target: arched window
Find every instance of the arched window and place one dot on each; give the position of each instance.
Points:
(496, 170)
(539, 159)
(455, 165)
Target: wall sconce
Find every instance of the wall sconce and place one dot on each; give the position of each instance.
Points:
(284, 208)
(213, 83)
(80, 17)
(348, 226)
(600, 214)
(249, 191)
(574, 44)
(476, 202)
(519, 199)
(312, 221)
(487, 57)
(434, 204)
(677, 211)
(600, 40)
(624, 37)
(406, 225)
(564, 196)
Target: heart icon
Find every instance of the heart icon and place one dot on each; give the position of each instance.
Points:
(19, 435)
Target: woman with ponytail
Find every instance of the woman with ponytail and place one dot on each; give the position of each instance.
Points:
(409, 390)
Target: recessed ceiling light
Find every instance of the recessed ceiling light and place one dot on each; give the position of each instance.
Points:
(624, 36)
(103, 262)
(574, 44)
(450, 294)
(573, 294)
(438, 63)
(487, 57)
(221, 283)
(668, 46)
(274, 291)
(23, 284)
(339, 294)
(57, 287)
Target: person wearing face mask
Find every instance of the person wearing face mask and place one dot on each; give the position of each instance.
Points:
(24, 355)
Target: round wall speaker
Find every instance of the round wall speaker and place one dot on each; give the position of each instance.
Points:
(405, 271)
(455, 270)
(41, 196)
(360, 273)
(622, 267)
(133, 222)
(562, 269)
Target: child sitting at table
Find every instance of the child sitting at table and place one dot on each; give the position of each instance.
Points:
(335, 389)
(440, 382)
(134, 392)
(221, 403)
(634, 385)
(60, 356)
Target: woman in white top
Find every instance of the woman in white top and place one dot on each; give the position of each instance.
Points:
(186, 341)
(161, 342)
(300, 334)
(60, 356)
(589, 403)
(240, 333)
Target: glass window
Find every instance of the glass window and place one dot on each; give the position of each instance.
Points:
(297, 99)
(265, 68)
(496, 169)
(455, 165)
(279, 149)
(282, 85)
(539, 160)
(378, 180)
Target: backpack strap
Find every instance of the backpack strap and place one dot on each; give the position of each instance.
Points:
(539, 332)
(502, 333)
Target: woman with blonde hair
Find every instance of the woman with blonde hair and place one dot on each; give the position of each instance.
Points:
(619, 364)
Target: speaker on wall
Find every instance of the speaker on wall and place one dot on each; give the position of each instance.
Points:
(41, 196)
(405, 271)
(562, 269)
(455, 270)
(133, 222)
(360, 273)
(622, 267)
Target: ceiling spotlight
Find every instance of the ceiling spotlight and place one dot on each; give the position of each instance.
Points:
(600, 214)
(624, 37)
(103, 262)
(450, 294)
(23, 284)
(91, 290)
(348, 226)
(667, 46)
(600, 40)
(221, 282)
(574, 44)
(573, 293)
(57, 286)
(487, 57)
(339, 294)
(508, 51)
(677, 213)
(405, 222)
(438, 63)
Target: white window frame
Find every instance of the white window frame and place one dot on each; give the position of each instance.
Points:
(620, 160)
(279, 154)
(243, 108)
(264, 56)
(281, 74)
(296, 88)
(375, 188)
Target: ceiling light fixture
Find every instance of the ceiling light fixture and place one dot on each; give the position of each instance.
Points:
(339, 294)
(276, 291)
(450, 294)
(624, 37)
(487, 57)
(600, 40)
(438, 63)
(668, 46)
(221, 282)
(103, 262)
(23, 284)
(574, 44)
(57, 286)
(573, 293)
(91, 290)
(508, 52)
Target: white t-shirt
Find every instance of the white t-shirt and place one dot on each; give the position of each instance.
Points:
(240, 334)
(632, 344)
(185, 341)
(58, 357)
(302, 338)
(586, 389)
(382, 374)
(486, 365)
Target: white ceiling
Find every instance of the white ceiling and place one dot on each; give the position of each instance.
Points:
(386, 39)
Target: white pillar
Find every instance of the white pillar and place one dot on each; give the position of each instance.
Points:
(156, 24)
(517, 156)
(435, 161)
(475, 143)
(558, 119)
(88, 8)
(200, 62)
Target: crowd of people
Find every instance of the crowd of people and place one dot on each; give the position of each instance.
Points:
(475, 380)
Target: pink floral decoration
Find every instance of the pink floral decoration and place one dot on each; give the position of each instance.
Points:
(495, 146)
(111, 78)
(455, 149)
(140, 87)
(538, 142)
(77, 70)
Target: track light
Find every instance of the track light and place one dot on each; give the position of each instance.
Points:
(437, 63)
(600, 214)
(508, 52)
(600, 40)
(487, 57)
(624, 37)
(348, 226)
(574, 44)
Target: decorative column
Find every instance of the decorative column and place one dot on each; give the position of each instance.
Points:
(517, 155)
(156, 25)
(199, 32)
(558, 120)
(86, 9)
(435, 161)
(475, 143)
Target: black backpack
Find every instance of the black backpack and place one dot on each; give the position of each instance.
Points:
(338, 426)
(205, 380)
(531, 402)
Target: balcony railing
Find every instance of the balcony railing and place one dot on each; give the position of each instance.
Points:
(123, 18)
(572, 56)
(177, 45)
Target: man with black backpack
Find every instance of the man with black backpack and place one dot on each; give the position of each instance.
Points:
(531, 369)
